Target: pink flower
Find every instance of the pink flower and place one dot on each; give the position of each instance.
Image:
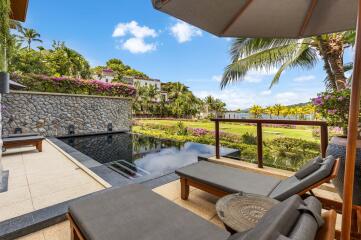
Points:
(318, 101)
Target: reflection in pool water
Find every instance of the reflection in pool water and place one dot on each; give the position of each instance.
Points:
(134, 155)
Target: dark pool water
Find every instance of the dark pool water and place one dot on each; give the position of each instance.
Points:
(134, 156)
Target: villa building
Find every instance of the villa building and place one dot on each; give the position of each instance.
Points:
(107, 76)
(142, 82)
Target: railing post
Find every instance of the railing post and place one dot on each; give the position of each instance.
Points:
(217, 139)
(324, 139)
(259, 145)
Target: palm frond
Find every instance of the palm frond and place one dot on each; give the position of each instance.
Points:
(259, 61)
(242, 47)
(304, 57)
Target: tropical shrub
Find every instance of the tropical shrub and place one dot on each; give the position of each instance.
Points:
(334, 106)
(42, 83)
(249, 138)
(181, 129)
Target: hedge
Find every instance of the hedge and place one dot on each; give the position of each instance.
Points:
(42, 83)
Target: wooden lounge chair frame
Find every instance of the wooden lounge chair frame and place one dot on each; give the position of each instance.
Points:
(38, 143)
(337, 206)
(74, 230)
(187, 182)
(327, 232)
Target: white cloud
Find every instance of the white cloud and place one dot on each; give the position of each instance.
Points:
(217, 78)
(304, 78)
(137, 45)
(293, 97)
(184, 32)
(133, 37)
(256, 76)
(266, 92)
(122, 29)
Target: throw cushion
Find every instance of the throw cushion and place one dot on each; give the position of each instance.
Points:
(309, 168)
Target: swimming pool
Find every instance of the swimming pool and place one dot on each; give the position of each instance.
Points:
(134, 156)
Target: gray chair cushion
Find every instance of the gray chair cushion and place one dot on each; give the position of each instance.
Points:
(291, 219)
(277, 221)
(229, 179)
(136, 213)
(309, 168)
(292, 185)
(309, 222)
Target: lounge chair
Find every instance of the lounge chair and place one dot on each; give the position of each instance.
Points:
(21, 141)
(135, 213)
(221, 180)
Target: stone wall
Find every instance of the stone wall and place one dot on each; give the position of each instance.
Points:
(50, 114)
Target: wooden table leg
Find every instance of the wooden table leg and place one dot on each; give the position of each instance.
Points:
(184, 188)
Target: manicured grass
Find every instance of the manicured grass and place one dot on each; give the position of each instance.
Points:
(301, 132)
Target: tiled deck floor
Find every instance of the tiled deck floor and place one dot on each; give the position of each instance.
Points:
(38, 180)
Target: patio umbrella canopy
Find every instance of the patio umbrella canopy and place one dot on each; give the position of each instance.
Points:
(284, 19)
(264, 18)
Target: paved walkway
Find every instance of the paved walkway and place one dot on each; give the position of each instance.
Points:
(38, 180)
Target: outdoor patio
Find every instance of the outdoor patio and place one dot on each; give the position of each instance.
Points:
(62, 193)
(38, 180)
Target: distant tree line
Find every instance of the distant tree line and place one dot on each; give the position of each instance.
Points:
(278, 111)
(174, 99)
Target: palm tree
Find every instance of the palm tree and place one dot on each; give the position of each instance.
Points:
(256, 111)
(177, 89)
(285, 112)
(277, 108)
(269, 110)
(265, 54)
(219, 107)
(29, 35)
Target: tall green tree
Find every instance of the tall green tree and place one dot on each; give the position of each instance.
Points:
(174, 89)
(5, 10)
(60, 60)
(29, 35)
(262, 54)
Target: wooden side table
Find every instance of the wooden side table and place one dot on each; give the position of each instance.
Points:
(240, 212)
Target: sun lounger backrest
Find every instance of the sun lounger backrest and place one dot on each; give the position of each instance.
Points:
(293, 185)
(290, 219)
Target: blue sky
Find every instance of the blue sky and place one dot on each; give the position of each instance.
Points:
(163, 48)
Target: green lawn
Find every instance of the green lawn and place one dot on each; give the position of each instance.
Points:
(268, 132)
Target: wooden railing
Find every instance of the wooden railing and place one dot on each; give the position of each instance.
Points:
(259, 122)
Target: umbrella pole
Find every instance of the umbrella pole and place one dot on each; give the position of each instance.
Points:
(352, 135)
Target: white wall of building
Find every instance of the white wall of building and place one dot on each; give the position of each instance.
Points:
(103, 78)
(147, 82)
